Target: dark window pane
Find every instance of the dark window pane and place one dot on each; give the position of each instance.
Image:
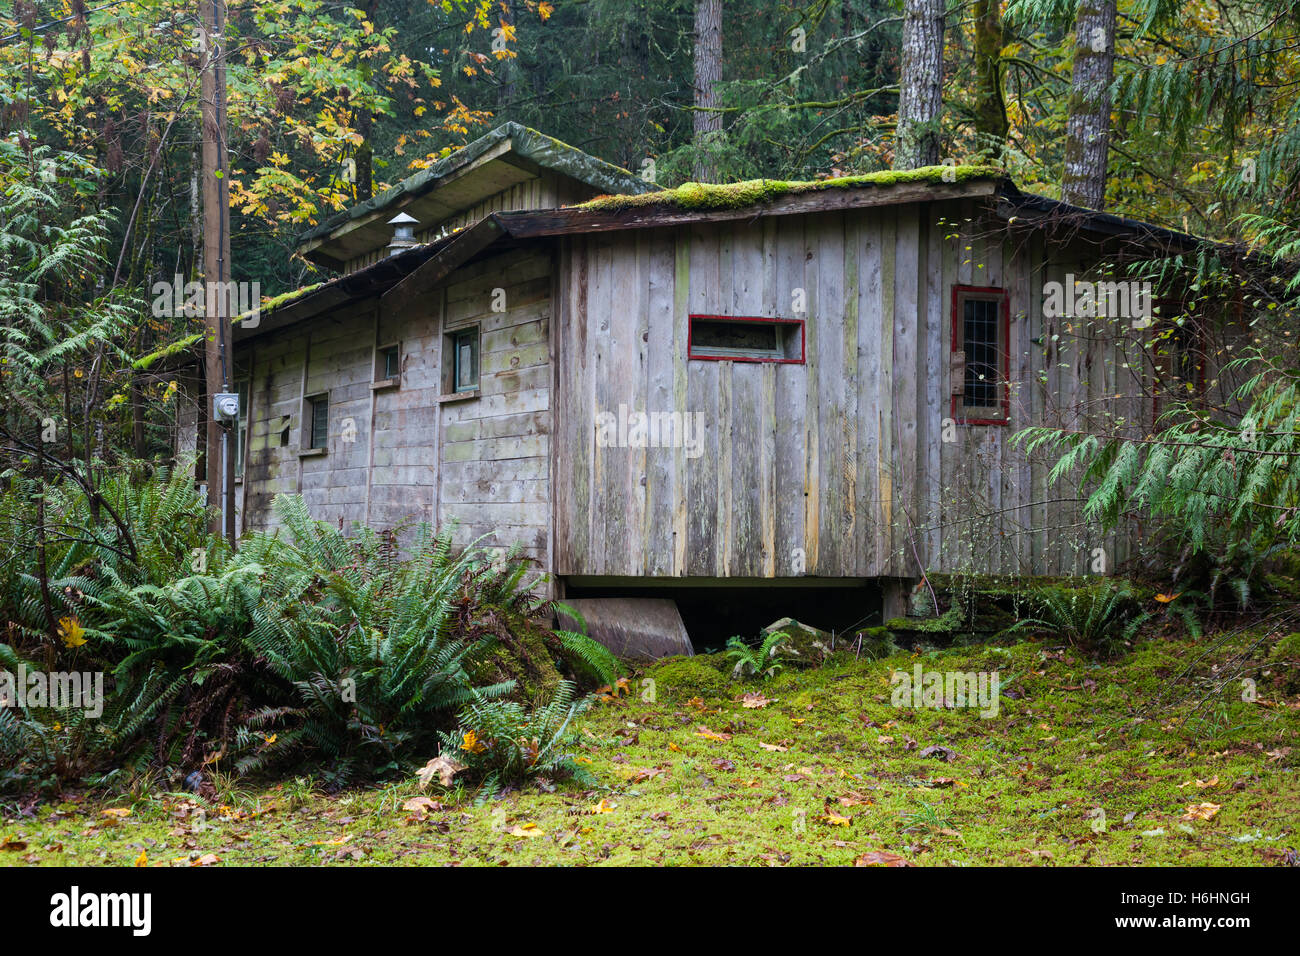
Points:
(466, 361)
(981, 330)
(320, 422)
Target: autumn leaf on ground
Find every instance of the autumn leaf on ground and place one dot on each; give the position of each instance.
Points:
(674, 748)
(833, 819)
(854, 799)
(1167, 597)
(1201, 784)
(881, 858)
(638, 774)
(207, 859)
(339, 842)
(443, 767)
(526, 830)
(710, 735)
(116, 813)
(604, 807)
(420, 806)
(754, 701)
(777, 747)
(10, 845)
(1201, 811)
(142, 859)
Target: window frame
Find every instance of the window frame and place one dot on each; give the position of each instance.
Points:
(957, 389)
(309, 404)
(773, 359)
(451, 387)
(381, 377)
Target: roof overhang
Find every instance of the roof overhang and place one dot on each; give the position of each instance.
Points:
(508, 155)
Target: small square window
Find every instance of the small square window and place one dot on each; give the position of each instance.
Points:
(460, 366)
(318, 421)
(388, 364)
(980, 366)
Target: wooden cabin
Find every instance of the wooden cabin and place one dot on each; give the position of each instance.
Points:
(732, 389)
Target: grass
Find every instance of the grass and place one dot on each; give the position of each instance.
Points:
(826, 772)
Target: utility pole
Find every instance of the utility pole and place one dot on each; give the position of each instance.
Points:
(216, 267)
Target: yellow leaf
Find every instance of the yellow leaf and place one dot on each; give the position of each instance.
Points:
(604, 807)
(71, 631)
(142, 859)
(527, 830)
(116, 813)
(1201, 811)
(472, 744)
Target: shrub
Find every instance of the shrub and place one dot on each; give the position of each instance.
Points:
(1098, 618)
(762, 661)
(503, 743)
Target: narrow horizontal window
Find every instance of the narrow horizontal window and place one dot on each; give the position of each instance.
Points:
(745, 339)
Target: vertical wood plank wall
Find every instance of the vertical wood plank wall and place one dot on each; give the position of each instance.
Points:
(838, 467)
(482, 463)
(833, 468)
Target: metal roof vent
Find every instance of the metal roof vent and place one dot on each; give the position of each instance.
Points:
(403, 234)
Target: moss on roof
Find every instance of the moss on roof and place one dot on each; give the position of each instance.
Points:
(181, 345)
(703, 196)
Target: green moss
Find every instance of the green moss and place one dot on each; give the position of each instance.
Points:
(182, 345)
(690, 676)
(706, 196)
(1285, 660)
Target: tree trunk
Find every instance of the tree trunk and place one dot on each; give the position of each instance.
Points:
(365, 152)
(990, 107)
(708, 73)
(1087, 127)
(920, 85)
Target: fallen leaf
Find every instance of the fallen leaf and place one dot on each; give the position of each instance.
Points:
(1201, 811)
(946, 754)
(881, 858)
(11, 845)
(754, 701)
(207, 859)
(72, 632)
(142, 859)
(116, 813)
(527, 830)
(710, 735)
(421, 806)
(443, 767)
(777, 747)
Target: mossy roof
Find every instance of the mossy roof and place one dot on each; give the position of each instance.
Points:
(546, 151)
(752, 192)
(182, 345)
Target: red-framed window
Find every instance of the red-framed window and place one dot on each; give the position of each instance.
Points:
(981, 359)
(745, 338)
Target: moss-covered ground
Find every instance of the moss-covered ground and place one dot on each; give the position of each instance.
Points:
(817, 767)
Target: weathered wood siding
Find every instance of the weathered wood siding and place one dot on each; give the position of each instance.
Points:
(480, 463)
(496, 448)
(837, 467)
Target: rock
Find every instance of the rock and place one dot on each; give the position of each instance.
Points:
(811, 645)
(633, 628)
